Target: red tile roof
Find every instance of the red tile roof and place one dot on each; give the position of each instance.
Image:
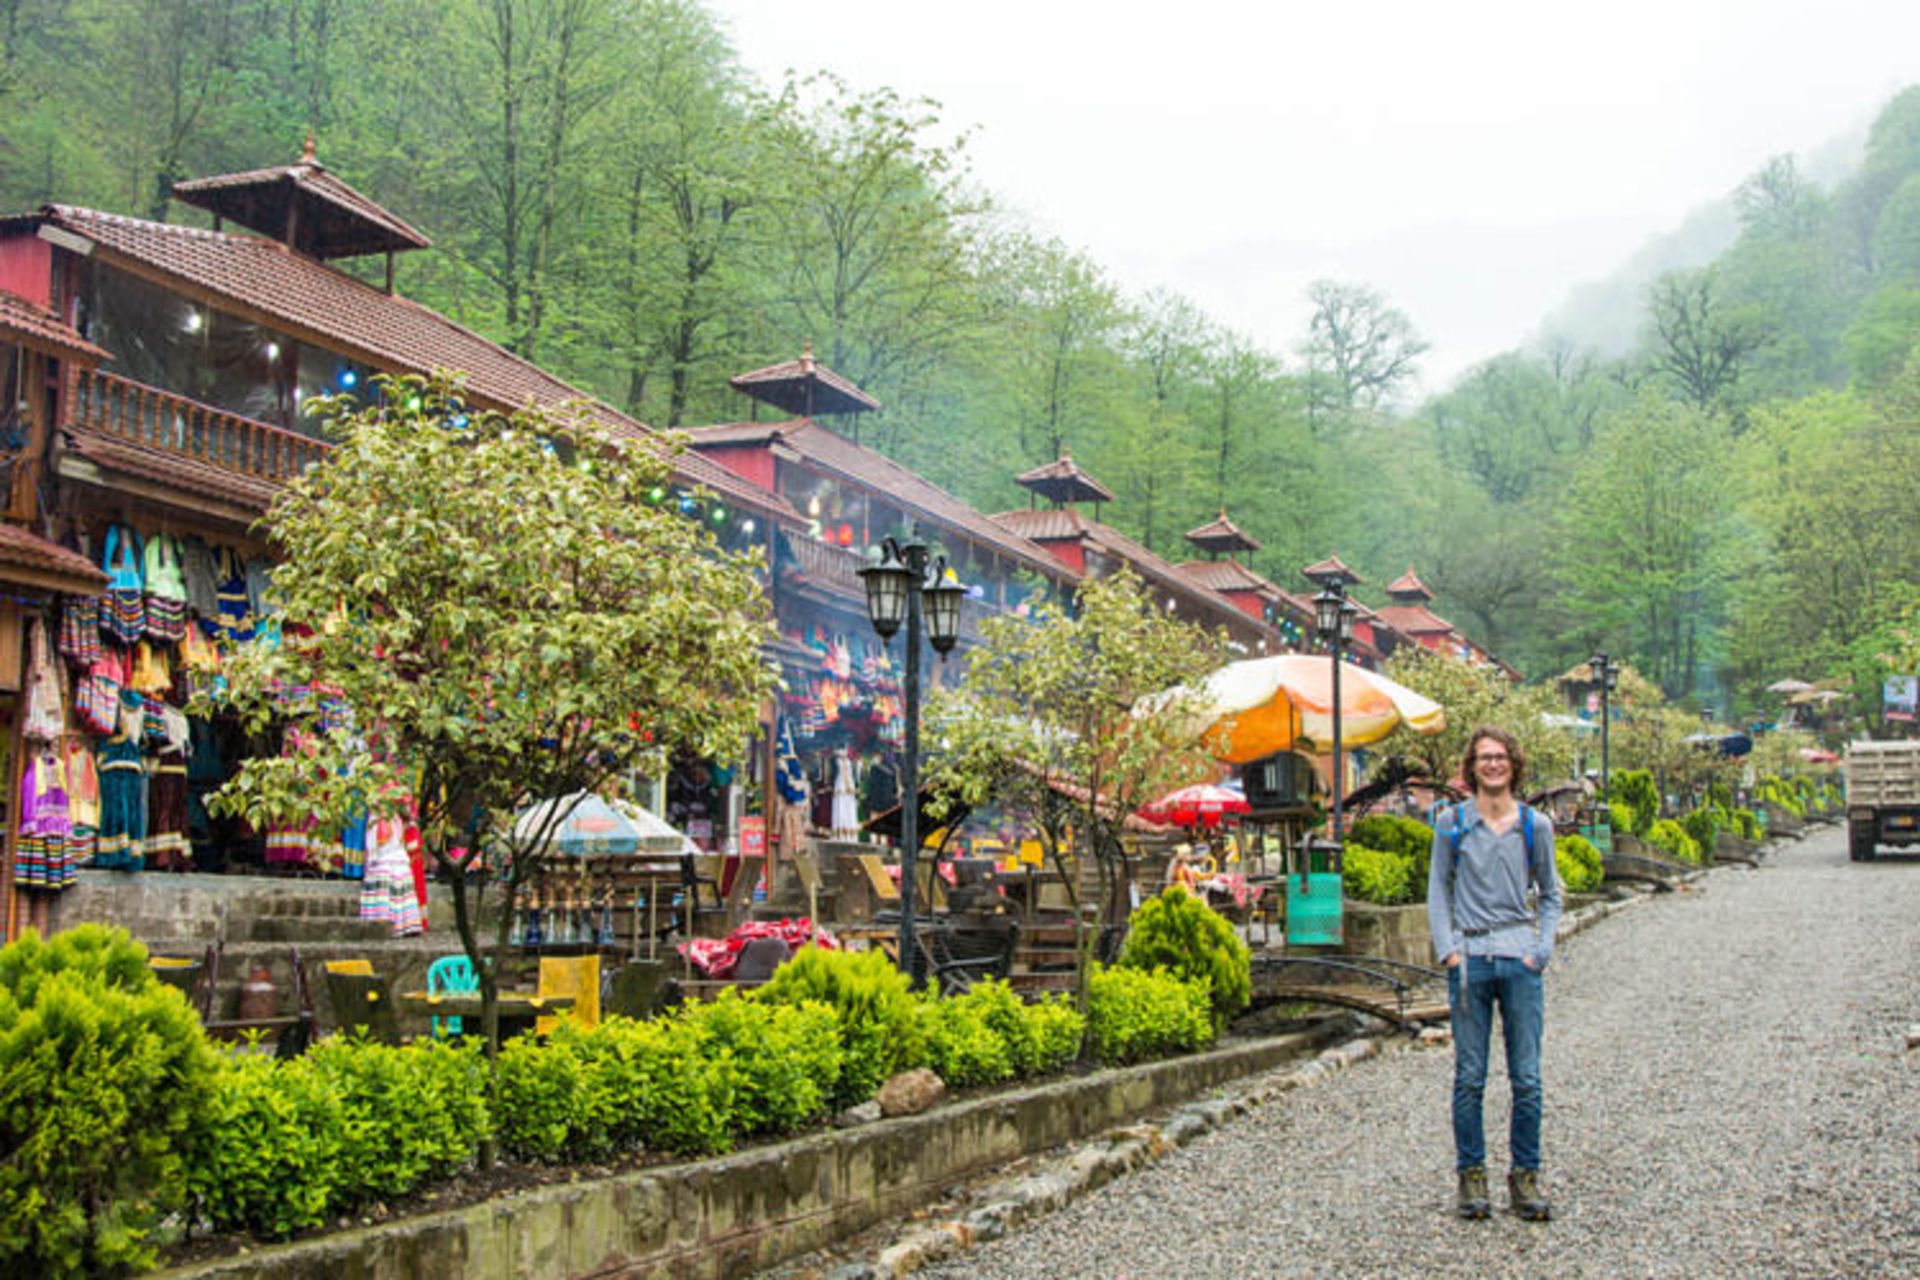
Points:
(52, 565)
(28, 324)
(1229, 575)
(830, 452)
(1222, 535)
(1409, 584)
(1062, 480)
(1330, 568)
(271, 282)
(1048, 526)
(1415, 620)
(804, 387)
(332, 219)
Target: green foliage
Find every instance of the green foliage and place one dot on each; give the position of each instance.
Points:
(271, 1162)
(1137, 1014)
(1702, 826)
(1055, 1032)
(1181, 934)
(104, 1075)
(1621, 818)
(1635, 789)
(1747, 824)
(880, 1025)
(784, 1059)
(1395, 833)
(1579, 863)
(1781, 794)
(1475, 695)
(964, 1048)
(1671, 836)
(1377, 876)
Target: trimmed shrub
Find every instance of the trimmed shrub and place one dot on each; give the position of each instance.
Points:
(880, 1021)
(1393, 833)
(783, 1059)
(1578, 863)
(1181, 934)
(409, 1115)
(963, 1046)
(989, 1034)
(1671, 836)
(1374, 875)
(1621, 817)
(1701, 826)
(1747, 823)
(1635, 787)
(653, 1085)
(547, 1106)
(104, 1083)
(271, 1164)
(1055, 1032)
(1137, 1014)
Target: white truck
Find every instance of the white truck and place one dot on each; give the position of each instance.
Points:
(1883, 795)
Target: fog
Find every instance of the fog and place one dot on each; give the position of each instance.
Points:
(1477, 161)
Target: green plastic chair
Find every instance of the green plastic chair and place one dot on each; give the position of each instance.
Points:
(451, 976)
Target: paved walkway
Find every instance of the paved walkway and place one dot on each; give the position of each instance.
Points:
(1728, 1093)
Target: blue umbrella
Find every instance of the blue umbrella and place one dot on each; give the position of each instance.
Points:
(592, 826)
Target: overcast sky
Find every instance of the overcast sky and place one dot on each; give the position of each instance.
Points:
(1475, 159)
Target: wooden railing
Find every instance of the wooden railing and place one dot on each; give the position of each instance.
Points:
(828, 565)
(159, 419)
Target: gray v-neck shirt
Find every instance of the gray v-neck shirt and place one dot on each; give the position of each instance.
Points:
(1486, 895)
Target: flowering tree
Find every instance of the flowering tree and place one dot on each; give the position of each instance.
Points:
(1045, 723)
(1476, 695)
(509, 609)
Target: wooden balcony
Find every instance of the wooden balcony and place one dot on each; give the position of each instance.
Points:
(146, 416)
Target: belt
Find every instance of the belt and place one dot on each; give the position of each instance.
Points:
(1475, 933)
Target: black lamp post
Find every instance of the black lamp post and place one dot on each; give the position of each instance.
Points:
(906, 584)
(1606, 675)
(1333, 616)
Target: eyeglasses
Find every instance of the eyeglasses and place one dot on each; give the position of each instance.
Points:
(1493, 760)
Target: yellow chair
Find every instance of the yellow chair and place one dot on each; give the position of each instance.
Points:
(576, 976)
(351, 968)
(885, 891)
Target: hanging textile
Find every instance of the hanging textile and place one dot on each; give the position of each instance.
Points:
(45, 718)
(83, 798)
(123, 805)
(230, 595)
(123, 610)
(42, 857)
(846, 802)
(197, 576)
(80, 630)
(96, 696)
(166, 589)
(387, 893)
(152, 673)
(166, 844)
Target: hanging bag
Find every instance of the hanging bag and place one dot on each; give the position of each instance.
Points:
(80, 630)
(96, 698)
(123, 610)
(166, 588)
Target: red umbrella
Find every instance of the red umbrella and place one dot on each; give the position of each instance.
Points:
(1201, 805)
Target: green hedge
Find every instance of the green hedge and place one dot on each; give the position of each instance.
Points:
(1376, 876)
(880, 1025)
(1408, 837)
(1578, 863)
(1634, 788)
(1137, 1014)
(1181, 934)
(990, 1035)
(105, 1082)
(1671, 836)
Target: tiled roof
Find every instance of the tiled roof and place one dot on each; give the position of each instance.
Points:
(1409, 584)
(1330, 568)
(1048, 526)
(1415, 619)
(30, 325)
(1229, 575)
(826, 451)
(69, 570)
(288, 289)
(1222, 535)
(804, 387)
(1062, 480)
(332, 219)
(188, 475)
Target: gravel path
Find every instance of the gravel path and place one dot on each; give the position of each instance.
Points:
(1728, 1093)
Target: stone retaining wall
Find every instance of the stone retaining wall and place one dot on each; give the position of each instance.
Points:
(738, 1214)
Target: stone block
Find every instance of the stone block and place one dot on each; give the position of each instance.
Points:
(911, 1092)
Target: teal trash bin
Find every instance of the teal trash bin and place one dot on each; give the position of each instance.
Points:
(1313, 909)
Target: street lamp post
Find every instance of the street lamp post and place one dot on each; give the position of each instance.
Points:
(1606, 674)
(1333, 616)
(903, 587)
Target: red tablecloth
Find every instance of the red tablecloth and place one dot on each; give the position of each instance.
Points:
(716, 957)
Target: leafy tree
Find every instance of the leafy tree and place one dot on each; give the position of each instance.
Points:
(1361, 348)
(1045, 723)
(1476, 695)
(1700, 344)
(509, 614)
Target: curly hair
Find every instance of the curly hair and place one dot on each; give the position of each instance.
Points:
(1492, 733)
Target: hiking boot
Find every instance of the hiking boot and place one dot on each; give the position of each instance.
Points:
(1529, 1201)
(1473, 1201)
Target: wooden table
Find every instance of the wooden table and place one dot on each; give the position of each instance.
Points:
(518, 1009)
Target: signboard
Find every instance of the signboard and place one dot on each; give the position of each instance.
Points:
(1900, 697)
(753, 836)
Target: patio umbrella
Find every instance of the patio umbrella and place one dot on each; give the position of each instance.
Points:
(1201, 805)
(1256, 707)
(591, 825)
(1788, 686)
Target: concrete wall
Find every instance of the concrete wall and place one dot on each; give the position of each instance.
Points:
(732, 1216)
(1391, 933)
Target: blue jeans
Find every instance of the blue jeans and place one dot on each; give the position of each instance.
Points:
(1519, 992)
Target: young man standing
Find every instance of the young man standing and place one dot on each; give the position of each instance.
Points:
(1494, 945)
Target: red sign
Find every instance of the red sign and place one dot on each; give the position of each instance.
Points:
(753, 836)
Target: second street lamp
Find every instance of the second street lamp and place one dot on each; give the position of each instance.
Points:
(1605, 674)
(1333, 616)
(903, 587)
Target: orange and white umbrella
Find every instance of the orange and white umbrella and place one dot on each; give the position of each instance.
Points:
(1250, 709)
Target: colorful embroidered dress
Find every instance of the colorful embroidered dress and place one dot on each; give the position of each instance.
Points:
(42, 858)
(387, 893)
(123, 805)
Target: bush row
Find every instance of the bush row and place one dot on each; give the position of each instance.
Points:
(116, 1113)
